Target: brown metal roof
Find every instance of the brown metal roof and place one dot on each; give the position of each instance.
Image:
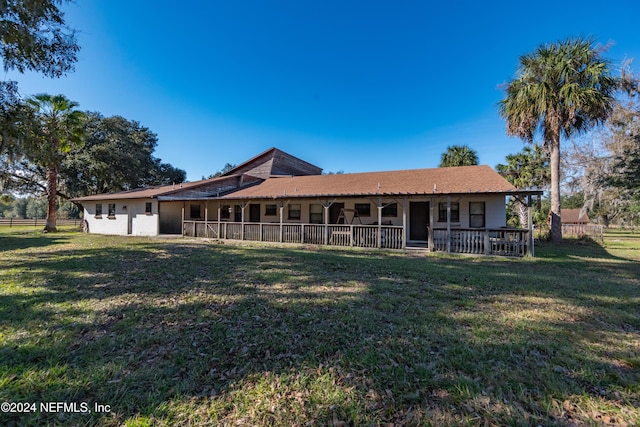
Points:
(266, 163)
(451, 180)
(573, 216)
(148, 192)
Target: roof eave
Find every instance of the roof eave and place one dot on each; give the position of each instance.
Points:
(505, 192)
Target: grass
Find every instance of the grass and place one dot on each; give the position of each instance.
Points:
(188, 332)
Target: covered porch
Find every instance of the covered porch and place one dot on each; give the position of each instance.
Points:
(398, 223)
(499, 241)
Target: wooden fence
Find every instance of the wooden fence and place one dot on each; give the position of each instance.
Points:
(596, 232)
(36, 222)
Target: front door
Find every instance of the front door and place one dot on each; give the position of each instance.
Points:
(418, 220)
(254, 212)
(334, 213)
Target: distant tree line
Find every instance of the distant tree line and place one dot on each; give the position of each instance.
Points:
(47, 145)
(35, 207)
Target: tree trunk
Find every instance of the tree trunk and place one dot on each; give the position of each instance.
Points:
(555, 225)
(523, 214)
(52, 195)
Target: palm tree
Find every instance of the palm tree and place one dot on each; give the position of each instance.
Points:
(560, 90)
(527, 169)
(59, 127)
(458, 155)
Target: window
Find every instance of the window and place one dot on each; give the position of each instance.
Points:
(194, 211)
(112, 210)
(315, 214)
(295, 211)
(455, 212)
(363, 209)
(147, 208)
(390, 210)
(476, 214)
(225, 212)
(270, 210)
(98, 210)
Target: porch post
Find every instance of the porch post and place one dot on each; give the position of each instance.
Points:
(219, 214)
(448, 224)
(404, 223)
(206, 216)
(379, 239)
(326, 225)
(430, 228)
(242, 207)
(326, 204)
(531, 245)
(487, 242)
(183, 219)
(261, 232)
(281, 216)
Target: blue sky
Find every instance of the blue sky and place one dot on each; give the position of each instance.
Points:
(346, 85)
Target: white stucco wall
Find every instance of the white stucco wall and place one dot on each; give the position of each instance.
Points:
(143, 223)
(130, 217)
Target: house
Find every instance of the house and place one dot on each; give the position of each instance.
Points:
(277, 197)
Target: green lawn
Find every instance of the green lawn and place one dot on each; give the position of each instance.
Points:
(189, 332)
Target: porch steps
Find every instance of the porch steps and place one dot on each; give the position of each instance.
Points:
(417, 248)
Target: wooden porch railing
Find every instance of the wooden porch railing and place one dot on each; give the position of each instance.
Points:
(365, 236)
(487, 241)
(484, 241)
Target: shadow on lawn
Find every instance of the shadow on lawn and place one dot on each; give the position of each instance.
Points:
(30, 239)
(400, 339)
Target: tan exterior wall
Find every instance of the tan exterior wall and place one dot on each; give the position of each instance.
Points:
(495, 210)
(305, 211)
